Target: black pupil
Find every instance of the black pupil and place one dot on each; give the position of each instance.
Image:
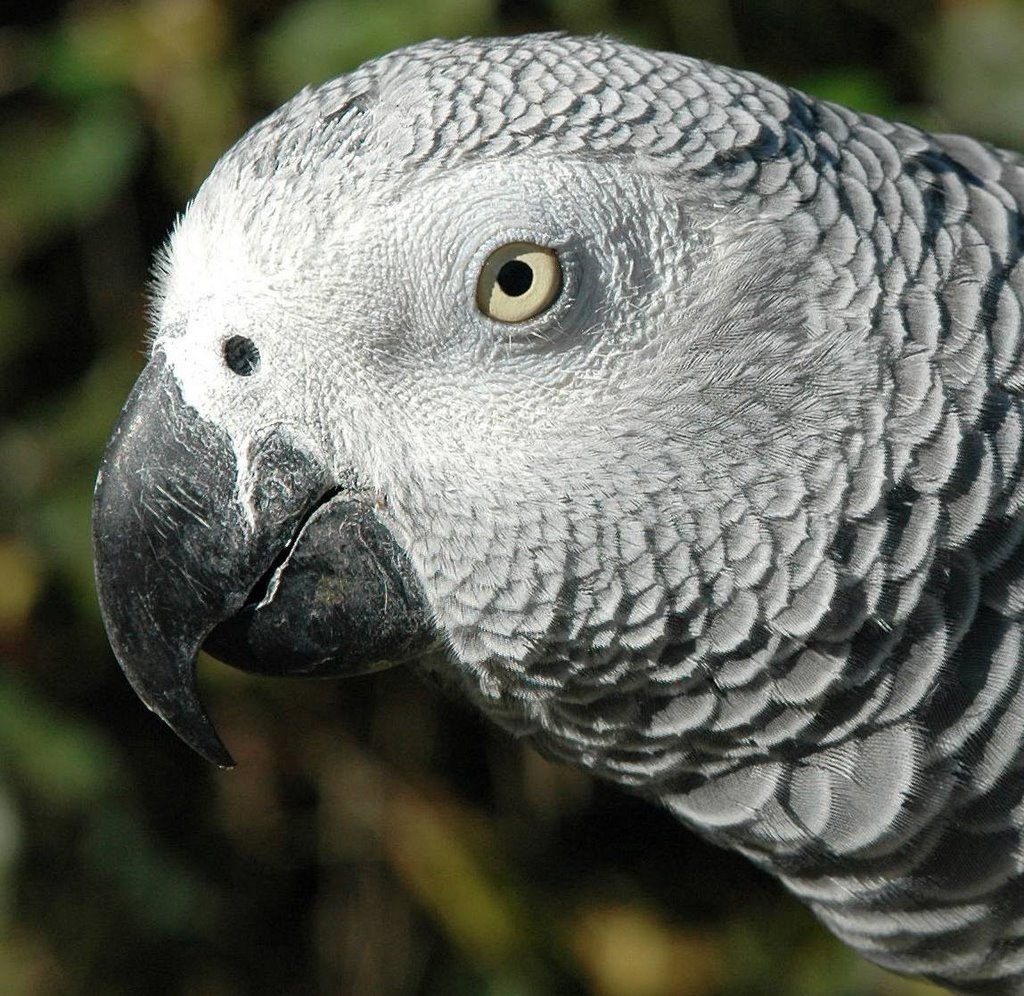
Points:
(241, 355)
(515, 277)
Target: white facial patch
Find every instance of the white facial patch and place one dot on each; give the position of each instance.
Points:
(213, 292)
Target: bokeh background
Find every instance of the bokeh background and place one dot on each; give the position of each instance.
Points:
(375, 838)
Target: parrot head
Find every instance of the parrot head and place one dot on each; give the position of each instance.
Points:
(494, 347)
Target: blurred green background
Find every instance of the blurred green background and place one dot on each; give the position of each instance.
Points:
(375, 838)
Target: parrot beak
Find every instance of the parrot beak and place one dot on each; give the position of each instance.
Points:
(295, 577)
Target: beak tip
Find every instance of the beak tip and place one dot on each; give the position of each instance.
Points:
(181, 709)
(198, 734)
(215, 752)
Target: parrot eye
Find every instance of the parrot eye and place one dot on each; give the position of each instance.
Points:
(518, 281)
(241, 355)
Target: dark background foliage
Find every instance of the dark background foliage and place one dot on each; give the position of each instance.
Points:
(375, 837)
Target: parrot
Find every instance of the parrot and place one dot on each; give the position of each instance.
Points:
(671, 416)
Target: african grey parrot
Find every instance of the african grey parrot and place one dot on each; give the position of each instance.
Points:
(674, 416)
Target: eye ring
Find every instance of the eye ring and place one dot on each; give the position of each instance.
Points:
(241, 355)
(518, 281)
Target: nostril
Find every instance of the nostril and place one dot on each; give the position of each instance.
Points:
(241, 355)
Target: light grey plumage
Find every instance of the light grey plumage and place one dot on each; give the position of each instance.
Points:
(737, 521)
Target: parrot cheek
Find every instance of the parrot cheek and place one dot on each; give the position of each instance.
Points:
(176, 551)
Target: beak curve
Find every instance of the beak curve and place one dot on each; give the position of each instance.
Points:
(177, 548)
